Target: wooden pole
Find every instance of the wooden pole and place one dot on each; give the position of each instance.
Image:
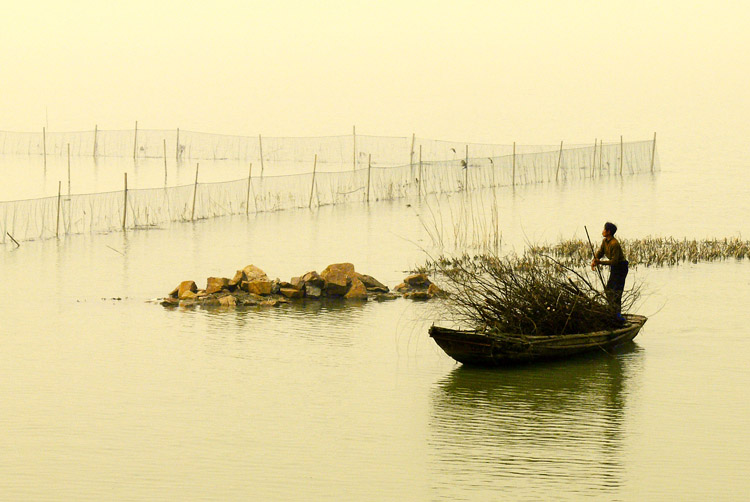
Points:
(59, 197)
(125, 203)
(411, 154)
(177, 146)
(312, 186)
(369, 167)
(68, 170)
(165, 160)
(135, 140)
(593, 158)
(249, 185)
(195, 192)
(621, 155)
(44, 146)
(354, 148)
(96, 130)
(466, 174)
(419, 179)
(601, 146)
(260, 147)
(559, 159)
(653, 153)
(514, 164)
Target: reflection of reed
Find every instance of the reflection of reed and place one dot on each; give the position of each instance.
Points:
(532, 431)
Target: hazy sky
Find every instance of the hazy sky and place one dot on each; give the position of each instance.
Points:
(535, 72)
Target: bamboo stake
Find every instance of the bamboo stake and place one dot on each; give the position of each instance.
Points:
(354, 148)
(177, 146)
(601, 147)
(466, 174)
(312, 186)
(621, 155)
(249, 184)
(59, 197)
(559, 159)
(44, 146)
(514, 164)
(135, 140)
(411, 154)
(195, 191)
(419, 180)
(593, 158)
(96, 130)
(653, 153)
(125, 203)
(11, 238)
(260, 146)
(369, 167)
(68, 170)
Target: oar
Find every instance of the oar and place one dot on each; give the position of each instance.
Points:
(593, 254)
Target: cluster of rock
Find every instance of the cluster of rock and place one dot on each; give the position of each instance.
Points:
(251, 286)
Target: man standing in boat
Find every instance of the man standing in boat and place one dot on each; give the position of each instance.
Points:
(618, 266)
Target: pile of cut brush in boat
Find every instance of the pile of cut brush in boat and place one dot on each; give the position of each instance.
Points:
(527, 308)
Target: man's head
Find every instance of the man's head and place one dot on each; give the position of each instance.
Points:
(609, 229)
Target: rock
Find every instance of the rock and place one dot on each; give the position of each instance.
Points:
(275, 286)
(313, 291)
(381, 297)
(417, 295)
(291, 292)
(402, 288)
(258, 287)
(216, 284)
(297, 283)
(357, 291)
(273, 302)
(188, 295)
(227, 301)
(345, 268)
(313, 278)
(418, 281)
(170, 301)
(337, 283)
(372, 284)
(435, 291)
(185, 287)
(187, 303)
(235, 281)
(253, 273)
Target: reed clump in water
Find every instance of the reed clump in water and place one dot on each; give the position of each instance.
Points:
(653, 251)
(527, 295)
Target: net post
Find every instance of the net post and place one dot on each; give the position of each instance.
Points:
(195, 192)
(411, 154)
(177, 146)
(44, 147)
(96, 130)
(419, 179)
(249, 184)
(559, 159)
(354, 148)
(165, 160)
(514, 165)
(369, 167)
(68, 170)
(312, 185)
(622, 154)
(260, 147)
(125, 203)
(601, 147)
(135, 139)
(653, 153)
(593, 158)
(59, 200)
(466, 174)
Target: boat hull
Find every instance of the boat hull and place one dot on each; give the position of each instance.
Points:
(480, 349)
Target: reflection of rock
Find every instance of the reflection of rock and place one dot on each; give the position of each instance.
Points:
(544, 420)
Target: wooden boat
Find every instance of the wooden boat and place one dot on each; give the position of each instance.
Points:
(497, 349)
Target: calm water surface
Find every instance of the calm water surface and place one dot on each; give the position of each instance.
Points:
(107, 399)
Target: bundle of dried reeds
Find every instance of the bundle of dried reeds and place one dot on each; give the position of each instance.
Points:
(530, 295)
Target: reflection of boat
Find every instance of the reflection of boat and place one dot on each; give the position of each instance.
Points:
(496, 349)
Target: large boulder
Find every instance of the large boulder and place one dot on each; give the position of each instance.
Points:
(216, 284)
(235, 281)
(253, 273)
(337, 283)
(345, 268)
(258, 287)
(291, 292)
(418, 281)
(297, 283)
(357, 291)
(372, 284)
(313, 278)
(313, 291)
(184, 287)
